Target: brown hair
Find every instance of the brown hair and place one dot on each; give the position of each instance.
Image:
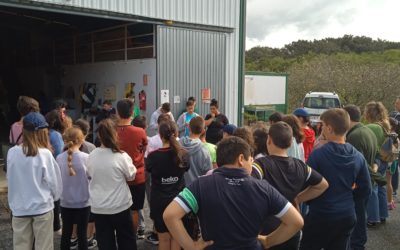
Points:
(375, 112)
(26, 104)
(229, 150)
(108, 135)
(168, 132)
(83, 125)
(294, 123)
(338, 119)
(246, 134)
(72, 136)
(33, 140)
(53, 118)
(197, 125)
(260, 136)
(281, 134)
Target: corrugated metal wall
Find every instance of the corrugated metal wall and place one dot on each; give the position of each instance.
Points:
(189, 61)
(223, 13)
(208, 12)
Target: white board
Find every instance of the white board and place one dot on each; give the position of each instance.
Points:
(264, 90)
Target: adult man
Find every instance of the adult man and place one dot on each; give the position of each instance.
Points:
(133, 141)
(231, 205)
(364, 140)
(296, 181)
(164, 109)
(331, 218)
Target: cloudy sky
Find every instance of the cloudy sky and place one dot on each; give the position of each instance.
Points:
(274, 23)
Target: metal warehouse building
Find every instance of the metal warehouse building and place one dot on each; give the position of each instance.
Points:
(162, 50)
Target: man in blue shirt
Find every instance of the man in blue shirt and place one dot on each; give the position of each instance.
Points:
(231, 205)
(332, 215)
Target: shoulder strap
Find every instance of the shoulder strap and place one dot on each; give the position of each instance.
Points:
(19, 137)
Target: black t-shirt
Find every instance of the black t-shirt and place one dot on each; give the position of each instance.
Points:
(232, 207)
(166, 176)
(215, 129)
(288, 175)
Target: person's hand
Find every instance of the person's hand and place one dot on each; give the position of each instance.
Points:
(296, 204)
(201, 244)
(263, 240)
(213, 115)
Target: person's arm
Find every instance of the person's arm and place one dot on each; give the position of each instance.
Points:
(209, 119)
(52, 176)
(312, 192)
(172, 216)
(291, 223)
(181, 124)
(153, 121)
(316, 185)
(128, 168)
(363, 181)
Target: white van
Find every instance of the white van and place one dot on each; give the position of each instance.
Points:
(315, 103)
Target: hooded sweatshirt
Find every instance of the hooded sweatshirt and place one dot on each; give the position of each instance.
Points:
(344, 168)
(199, 159)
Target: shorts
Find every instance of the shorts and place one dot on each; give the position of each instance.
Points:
(157, 207)
(138, 194)
(91, 217)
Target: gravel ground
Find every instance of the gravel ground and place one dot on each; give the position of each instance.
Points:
(384, 237)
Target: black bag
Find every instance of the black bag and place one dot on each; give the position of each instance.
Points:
(5, 147)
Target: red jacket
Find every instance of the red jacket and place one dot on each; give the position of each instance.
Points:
(308, 143)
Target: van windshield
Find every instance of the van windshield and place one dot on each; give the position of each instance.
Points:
(321, 103)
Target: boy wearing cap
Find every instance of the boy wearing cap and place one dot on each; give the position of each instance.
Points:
(309, 134)
(228, 130)
(34, 183)
(231, 205)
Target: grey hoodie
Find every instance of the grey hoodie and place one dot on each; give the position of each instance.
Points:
(199, 159)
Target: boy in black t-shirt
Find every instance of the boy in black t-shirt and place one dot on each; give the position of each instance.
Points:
(231, 205)
(296, 181)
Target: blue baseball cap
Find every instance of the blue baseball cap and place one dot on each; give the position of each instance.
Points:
(301, 112)
(34, 121)
(229, 129)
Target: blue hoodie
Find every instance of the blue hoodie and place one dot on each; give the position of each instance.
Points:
(343, 167)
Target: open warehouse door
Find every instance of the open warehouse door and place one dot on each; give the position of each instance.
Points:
(81, 59)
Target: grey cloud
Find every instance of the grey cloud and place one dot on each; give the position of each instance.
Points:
(309, 17)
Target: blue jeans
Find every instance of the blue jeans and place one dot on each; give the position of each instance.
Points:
(382, 194)
(359, 234)
(377, 203)
(373, 205)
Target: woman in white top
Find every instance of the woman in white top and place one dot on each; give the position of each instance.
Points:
(109, 168)
(296, 150)
(34, 183)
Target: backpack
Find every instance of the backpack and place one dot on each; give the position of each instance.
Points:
(389, 150)
(5, 147)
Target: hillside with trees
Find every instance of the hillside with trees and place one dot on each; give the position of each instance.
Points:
(359, 69)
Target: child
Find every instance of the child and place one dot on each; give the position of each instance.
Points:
(110, 197)
(309, 134)
(199, 159)
(231, 205)
(290, 176)
(133, 141)
(392, 166)
(75, 197)
(184, 119)
(167, 168)
(34, 183)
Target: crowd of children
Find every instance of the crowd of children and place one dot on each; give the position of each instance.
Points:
(209, 184)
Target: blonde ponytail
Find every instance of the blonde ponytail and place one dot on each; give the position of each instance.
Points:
(71, 170)
(72, 136)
